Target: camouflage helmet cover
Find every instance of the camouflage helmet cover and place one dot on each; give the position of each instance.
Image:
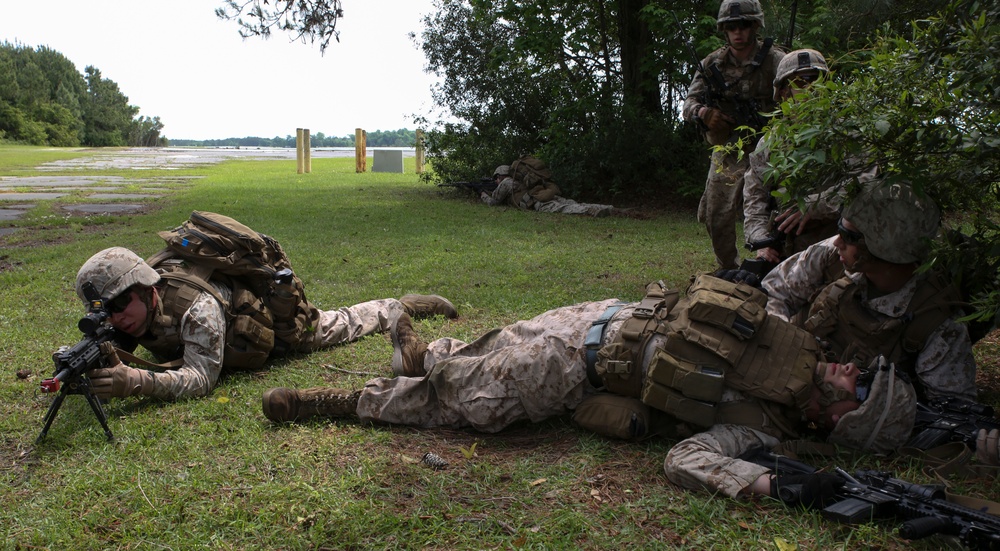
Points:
(795, 62)
(740, 10)
(112, 271)
(502, 170)
(885, 419)
(896, 223)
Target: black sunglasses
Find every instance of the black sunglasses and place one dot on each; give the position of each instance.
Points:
(737, 25)
(850, 237)
(118, 304)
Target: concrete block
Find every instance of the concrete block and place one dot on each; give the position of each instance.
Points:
(387, 160)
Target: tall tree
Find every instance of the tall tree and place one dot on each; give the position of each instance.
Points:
(107, 113)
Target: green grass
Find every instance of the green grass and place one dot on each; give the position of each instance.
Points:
(213, 473)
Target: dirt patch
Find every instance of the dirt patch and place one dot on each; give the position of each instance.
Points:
(6, 264)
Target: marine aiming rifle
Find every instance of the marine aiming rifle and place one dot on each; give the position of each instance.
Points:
(484, 184)
(950, 420)
(875, 495)
(72, 364)
(747, 109)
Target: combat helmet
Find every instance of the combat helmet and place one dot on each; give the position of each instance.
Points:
(896, 223)
(740, 10)
(502, 170)
(112, 271)
(885, 418)
(798, 61)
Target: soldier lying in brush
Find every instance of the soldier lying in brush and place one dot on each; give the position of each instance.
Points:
(201, 322)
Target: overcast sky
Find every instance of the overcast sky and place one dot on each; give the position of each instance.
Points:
(176, 60)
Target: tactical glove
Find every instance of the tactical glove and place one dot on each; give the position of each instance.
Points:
(738, 276)
(118, 380)
(717, 121)
(812, 491)
(988, 447)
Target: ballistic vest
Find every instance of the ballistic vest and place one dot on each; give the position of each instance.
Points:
(719, 336)
(850, 332)
(249, 339)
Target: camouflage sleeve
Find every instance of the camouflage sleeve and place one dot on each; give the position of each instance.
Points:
(697, 93)
(946, 366)
(203, 332)
(756, 197)
(707, 460)
(501, 193)
(793, 283)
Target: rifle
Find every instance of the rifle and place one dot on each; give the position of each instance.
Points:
(747, 110)
(484, 184)
(949, 420)
(72, 364)
(873, 495)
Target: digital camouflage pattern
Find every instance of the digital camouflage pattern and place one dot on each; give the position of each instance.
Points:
(202, 333)
(944, 366)
(897, 224)
(113, 270)
(885, 419)
(722, 202)
(527, 371)
(503, 194)
(740, 10)
(707, 460)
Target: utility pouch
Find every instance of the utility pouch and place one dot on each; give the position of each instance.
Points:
(736, 308)
(614, 416)
(696, 412)
(256, 334)
(619, 369)
(692, 379)
(246, 303)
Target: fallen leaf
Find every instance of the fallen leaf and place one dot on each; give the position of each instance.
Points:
(784, 545)
(539, 481)
(222, 399)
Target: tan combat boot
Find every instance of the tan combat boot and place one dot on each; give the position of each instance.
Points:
(407, 350)
(288, 405)
(425, 306)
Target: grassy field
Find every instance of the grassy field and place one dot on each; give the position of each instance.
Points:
(214, 473)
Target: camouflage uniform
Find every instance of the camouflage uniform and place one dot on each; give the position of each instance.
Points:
(758, 205)
(707, 460)
(721, 203)
(203, 333)
(529, 370)
(945, 366)
(502, 195)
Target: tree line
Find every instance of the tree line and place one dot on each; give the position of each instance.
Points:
(378, 138)
(45, 100)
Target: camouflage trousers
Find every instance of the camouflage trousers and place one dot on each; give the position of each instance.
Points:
(707, 460)
(530, 370)
(721, 206)
(350, 323)
(569, 206)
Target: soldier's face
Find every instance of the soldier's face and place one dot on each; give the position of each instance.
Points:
(847, 244)
(842, 376)
(739, 34)
(132, 318)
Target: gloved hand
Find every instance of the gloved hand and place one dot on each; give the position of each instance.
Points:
(118, 380)
(738, 276)
(988, 447)
(812, 491)
(717, 121)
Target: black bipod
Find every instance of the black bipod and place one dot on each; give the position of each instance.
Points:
(79, 386)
